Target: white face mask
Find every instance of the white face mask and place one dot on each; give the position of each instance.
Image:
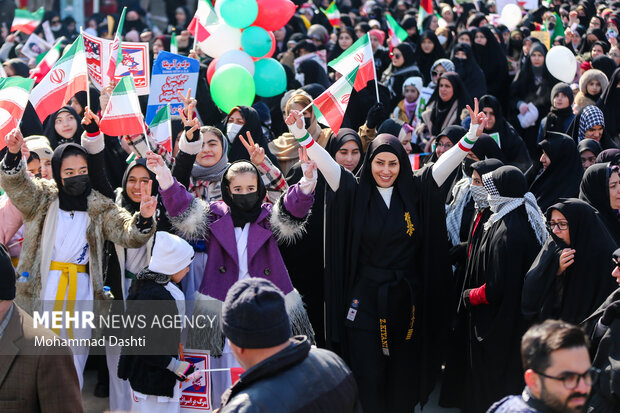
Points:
(232, 131)
(300, 77)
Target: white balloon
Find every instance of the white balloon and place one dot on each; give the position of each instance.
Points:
(511, 15)
(223, 38)
(561, 63)
(238, 57)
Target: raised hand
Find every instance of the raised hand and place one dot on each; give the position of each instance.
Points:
(257, 154)
(104, 98)
(477, 117)
(89, 116)
(156, 164)
(187, 101)
(154, 161)
(309, 167)
(148, 203)
(14, 141)
(295, 118)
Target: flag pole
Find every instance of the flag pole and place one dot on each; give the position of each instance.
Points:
(87, 85)
(374, 68)
(146, 138)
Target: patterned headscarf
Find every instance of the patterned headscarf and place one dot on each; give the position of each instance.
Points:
(590, 117)
(501, 206)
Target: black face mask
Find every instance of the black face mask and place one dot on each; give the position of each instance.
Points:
(76, 185)
(245, 202)
(307, 122)
(467, 169)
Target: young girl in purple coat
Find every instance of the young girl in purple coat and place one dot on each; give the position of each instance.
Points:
(242, 235)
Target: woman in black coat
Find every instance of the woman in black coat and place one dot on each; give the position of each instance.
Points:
(600, 187)
(471, 74)
(570, 277)
(491, 57)
(427, 52)
(532, 84)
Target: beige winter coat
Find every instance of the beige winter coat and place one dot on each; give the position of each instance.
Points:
(37, 199)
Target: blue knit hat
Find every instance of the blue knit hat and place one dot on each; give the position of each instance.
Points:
(254, 314)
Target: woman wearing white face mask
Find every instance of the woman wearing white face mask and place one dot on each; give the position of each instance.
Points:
(240, 120)
(285, 147)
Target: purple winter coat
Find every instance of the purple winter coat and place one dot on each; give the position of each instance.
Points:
(283, 222)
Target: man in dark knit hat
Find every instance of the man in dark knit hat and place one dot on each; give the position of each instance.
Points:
(283, 373)
(33, 378)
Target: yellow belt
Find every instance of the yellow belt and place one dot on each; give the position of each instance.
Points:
(68, 281)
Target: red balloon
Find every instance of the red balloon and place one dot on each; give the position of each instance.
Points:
(211, 70)
(274, 14)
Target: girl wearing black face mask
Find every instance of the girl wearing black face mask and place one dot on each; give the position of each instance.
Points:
(241, 236)
(66, 225)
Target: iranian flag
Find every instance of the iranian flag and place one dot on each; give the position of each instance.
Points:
(161, 128)
(123, 116)
(205, 16)
(68, 76)
(43, 68)
(26, 22)
(116, 55)
(397, 33)
(330, 106)
(426, 8)
(360, 56)
(14, 93)
(174, 47)
(333, 14)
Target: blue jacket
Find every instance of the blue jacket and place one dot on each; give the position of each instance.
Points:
(299, 378)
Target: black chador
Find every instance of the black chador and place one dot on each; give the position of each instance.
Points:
(388, 270)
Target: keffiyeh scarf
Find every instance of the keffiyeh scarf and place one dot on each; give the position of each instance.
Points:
(501, 206)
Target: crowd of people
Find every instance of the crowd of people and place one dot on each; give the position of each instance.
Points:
(468, 198)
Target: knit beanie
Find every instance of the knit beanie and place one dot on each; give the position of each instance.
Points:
(565, 89)
(170, 254)
(254, 314)
(7, 275)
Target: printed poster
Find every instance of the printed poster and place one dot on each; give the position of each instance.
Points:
(196, 396)
(171, 73)
(134, 61)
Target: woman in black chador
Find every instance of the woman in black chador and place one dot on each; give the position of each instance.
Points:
(386, 248)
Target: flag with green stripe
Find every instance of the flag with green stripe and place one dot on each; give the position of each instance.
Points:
(26, 22)
(330, 106)
(161, 128)
(14, 92)
(123, 115)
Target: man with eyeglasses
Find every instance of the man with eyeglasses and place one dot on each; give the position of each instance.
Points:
(558, 373)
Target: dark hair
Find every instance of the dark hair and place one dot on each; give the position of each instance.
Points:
(33, 157)
(543, 339)
(73, 152)
(213, 130)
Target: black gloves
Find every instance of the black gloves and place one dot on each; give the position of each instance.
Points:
(375, 116)
(91, 128)
(466, 301)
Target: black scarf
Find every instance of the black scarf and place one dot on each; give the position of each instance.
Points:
(562, 177)
(425, 60)
(441, 109)
(594, 190)
(610, 104)
(345, 135)
(53, 136)
(239, 216)
(585, 284)
(127, 203)
(69, 202)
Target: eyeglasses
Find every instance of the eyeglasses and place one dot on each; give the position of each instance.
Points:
(571, 380)
(397, 56)
(55, 21)
(616, 262)
(562, 225)
(443, 145)
(436, 73)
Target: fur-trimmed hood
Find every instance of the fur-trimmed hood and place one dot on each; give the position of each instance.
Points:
(593, 74)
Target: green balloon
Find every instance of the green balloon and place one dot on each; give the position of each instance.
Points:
(269, 77)
(255, 41)
(232, 85)
(239, 13)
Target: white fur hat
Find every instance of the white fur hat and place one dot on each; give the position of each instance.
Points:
(170, 254)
